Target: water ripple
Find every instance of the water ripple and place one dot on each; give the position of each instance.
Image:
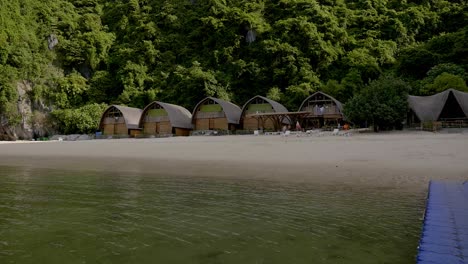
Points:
(48, 215)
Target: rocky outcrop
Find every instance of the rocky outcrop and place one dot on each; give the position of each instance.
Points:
(24, 129)
(52, 41)
(33, 121)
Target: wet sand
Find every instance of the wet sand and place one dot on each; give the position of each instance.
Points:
(387, 160)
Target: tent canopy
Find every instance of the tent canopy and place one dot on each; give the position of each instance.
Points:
(429, 108)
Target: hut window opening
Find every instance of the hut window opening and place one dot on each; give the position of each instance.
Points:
(209, 102)
(210, 109)
(452, 109)
(321, 105)
(258, 105)
(156, 113)
(114, 113)
(156, 106)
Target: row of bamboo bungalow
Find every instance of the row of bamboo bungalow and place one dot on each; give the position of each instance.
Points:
(449, 108)
(160, 119)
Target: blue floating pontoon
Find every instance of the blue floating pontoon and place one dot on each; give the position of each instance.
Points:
(444, 238)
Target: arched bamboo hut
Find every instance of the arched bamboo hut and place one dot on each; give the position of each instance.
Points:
(259, 105)
(323, 110)
(449, 107)
(215, 114)
(120, 121)
(160, 118)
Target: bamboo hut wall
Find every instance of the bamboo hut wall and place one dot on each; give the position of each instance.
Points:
(135, 132)
(220, 124)
(121, 129)
(164, 128)
(108, 129)
(153, 128)
(149, 128)
(183, 132)
(202, 124)
(211, 124)
(251, 123)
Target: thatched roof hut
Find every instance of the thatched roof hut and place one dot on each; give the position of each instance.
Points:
(257, 105)
(120, 120)
(319, 99)
(323, 108)
(449, 104)
(160, 118)
(215, 114)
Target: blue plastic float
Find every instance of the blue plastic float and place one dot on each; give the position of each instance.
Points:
(444, 238)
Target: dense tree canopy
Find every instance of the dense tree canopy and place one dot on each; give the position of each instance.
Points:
(79, 52)
(382, 104)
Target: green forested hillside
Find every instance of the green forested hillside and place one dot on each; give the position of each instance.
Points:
(79, 52)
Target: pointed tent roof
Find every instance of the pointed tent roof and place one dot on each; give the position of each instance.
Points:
(462, 99)
(276, 106)
(231, 110)
(178, 115)
(338, 103)
(428, 108)
(131, 115)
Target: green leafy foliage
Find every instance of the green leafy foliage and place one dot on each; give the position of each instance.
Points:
(382, 103)
(80, 52)
(84, 119)
(446, 81)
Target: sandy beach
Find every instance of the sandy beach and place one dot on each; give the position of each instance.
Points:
(398, 160)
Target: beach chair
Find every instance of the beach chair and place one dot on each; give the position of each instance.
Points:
(335, 132)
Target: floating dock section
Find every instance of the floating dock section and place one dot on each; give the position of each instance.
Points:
(444, 237)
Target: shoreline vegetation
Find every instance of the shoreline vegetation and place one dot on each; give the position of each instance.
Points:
(390, 160)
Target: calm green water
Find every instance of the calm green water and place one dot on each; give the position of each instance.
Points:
(52, 216)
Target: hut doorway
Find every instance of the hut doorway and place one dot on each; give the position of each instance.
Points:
(211, 124)
(452, 109)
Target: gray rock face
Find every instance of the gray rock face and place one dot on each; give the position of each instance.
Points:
(84, 137)
(33, 116)
(52, 41)
(251, 36)
(24, 129)
(56, 137)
